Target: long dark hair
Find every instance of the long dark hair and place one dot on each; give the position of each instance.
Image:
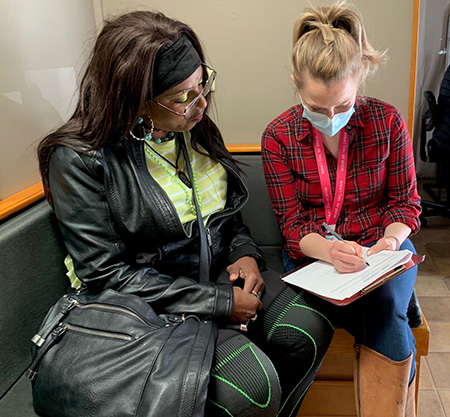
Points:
(117, 85)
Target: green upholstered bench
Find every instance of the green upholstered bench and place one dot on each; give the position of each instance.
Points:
(32, 278)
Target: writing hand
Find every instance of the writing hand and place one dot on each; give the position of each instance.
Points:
(347, 256)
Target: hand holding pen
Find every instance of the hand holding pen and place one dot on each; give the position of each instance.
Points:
(345, 258)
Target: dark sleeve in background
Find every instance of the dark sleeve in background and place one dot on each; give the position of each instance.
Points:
(441, 133)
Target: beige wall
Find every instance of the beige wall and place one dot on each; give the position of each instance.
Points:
(42, 45)
(249, 43)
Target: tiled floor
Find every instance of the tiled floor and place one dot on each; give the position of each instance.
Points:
(433, 290)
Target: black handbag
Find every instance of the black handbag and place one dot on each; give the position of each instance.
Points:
(110, 355)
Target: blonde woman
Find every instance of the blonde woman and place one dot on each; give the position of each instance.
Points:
(347, 160)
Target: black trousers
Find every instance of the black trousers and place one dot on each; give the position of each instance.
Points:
(267, 371)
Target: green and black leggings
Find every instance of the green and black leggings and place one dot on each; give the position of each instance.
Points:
(267, 371)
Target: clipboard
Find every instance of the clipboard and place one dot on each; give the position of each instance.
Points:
(383, 279)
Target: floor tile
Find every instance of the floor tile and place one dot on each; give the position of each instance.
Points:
(444, 396)
(436, 234)
(439, 365)
(438, 250)
(428, 266)
(440, 336)
(416, 239)
(436, 308)
(443, 265)
(426, 381)
(419, 244)
(433, 289)
(430, 285)
(447, 282)
(422, 250)
(429, 404)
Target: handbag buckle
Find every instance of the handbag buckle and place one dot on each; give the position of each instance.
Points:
(38, 340)
(31, 374)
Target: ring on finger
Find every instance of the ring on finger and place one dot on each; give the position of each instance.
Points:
(256, 294)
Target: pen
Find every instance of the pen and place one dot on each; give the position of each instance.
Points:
(337, 236)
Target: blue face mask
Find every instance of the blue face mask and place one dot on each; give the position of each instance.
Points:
(326, 125)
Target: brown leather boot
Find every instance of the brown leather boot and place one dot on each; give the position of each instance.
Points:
(411, 399)
(381, 384)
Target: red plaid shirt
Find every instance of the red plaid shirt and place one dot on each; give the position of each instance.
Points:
(381, 181)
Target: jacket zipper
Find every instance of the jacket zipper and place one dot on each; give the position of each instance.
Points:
(208, 236)
(116, 309)
(101, 333)
(56, 336)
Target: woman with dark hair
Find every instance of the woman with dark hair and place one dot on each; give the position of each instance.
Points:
(141, 182)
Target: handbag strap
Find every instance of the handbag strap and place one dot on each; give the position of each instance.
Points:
(204, 247)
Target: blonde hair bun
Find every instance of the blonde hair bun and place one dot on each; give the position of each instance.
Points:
(330, 43)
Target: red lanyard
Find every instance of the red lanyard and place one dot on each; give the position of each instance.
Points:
(332, 206)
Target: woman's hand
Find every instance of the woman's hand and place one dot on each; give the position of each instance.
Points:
(347, 256)
(247, 269)
(385, 243)
(246, 300)
(394, 235)
(245, 306)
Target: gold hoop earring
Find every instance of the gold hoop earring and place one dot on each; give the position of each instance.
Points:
(141, 128)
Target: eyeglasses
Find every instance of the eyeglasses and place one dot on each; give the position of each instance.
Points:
(189, 111)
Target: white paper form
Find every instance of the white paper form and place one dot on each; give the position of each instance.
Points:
(322, 278)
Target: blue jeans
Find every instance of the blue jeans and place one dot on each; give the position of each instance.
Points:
(379, 319)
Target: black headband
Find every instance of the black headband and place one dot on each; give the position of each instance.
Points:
(174, 64)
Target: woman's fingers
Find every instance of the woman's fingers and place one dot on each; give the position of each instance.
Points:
(389, 243)
(247, 269)
(245, 306)
(234, 272)
(347, 256)
(254, 282)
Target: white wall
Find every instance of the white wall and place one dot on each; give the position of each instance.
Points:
(43, 44)
(41, 48)
(249, 42)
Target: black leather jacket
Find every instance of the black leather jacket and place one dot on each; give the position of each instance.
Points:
(123, 232)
